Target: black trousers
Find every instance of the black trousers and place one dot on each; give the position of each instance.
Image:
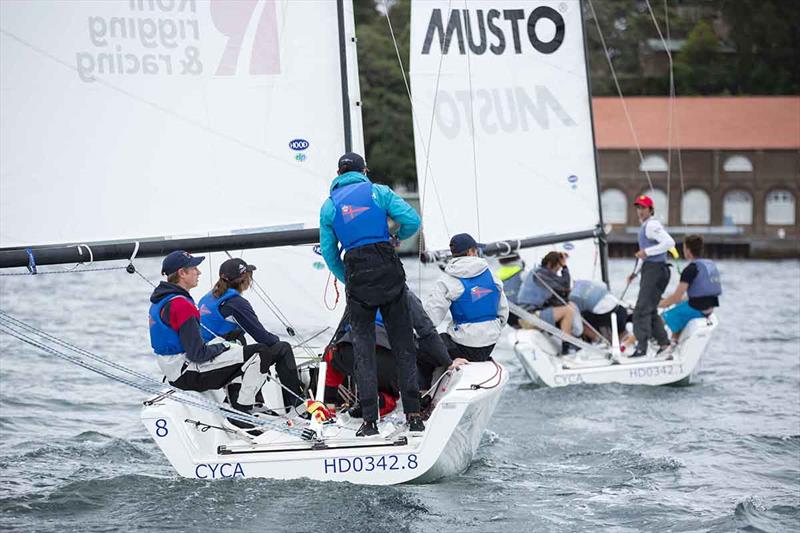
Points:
(375, 279)
(646, 320)
(470, 353)
(280, 354)
(603, 321)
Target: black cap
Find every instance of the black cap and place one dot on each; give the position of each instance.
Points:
(351, 161)
(234, 269)
(177, 260)
(462, 242)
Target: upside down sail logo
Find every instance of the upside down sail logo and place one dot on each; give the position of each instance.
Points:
(476, 293)
(255, 20)
(349, 212)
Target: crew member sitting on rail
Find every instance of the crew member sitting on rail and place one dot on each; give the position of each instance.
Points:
(225, 313)
(597, 304)
(475, 298)
(700, 281)
(545, 291)
(185, 359)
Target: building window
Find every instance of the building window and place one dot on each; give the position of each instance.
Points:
(737, 208)
(653, 163)
(660, 204)
(737, 163)
(615, 206)
(780, 208)
(696, 207)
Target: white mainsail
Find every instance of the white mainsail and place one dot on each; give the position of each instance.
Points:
(161, 118)
(503, 125)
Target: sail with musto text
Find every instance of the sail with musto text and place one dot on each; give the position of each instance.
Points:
(503, 126)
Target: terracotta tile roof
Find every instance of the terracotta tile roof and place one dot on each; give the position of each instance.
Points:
(700, 123)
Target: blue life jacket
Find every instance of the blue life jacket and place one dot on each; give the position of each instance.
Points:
(533, 293)
(645, 242)
(707, 282)
(211, 318)
(358, 220)
(586, 294)
(164, 339)
(478, 302)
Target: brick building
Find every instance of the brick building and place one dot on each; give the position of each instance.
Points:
(736, 178)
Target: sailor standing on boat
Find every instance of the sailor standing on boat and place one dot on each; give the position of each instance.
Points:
(355, 215)
(225, 313)
(185, 359)
(654, 243)
(476, 301)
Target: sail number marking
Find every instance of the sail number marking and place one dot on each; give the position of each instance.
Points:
(653, 371)
(368, 463)
(161, 428)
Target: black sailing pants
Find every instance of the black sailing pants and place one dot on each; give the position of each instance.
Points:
(646, 320)
(375, 279)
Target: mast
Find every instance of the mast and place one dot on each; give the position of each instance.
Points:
(602, 243)
(348, 133)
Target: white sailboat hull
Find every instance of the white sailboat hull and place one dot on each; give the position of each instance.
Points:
(538, 354)
(446, 448)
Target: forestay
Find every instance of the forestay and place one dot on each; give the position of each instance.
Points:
(503, 126)
(160, 118)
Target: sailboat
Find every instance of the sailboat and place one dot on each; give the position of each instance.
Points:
(505, 151)
(131, 129)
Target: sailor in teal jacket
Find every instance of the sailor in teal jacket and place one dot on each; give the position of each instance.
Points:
(354, 219)
(396, 208)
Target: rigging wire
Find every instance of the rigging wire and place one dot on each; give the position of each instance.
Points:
(23, 332)
(619, 91)
(472, 123)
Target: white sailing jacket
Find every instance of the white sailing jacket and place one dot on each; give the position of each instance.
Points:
(449, 287)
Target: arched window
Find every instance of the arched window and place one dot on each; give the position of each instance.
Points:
(615, 206)
(737, 163)
(653, 163)
(660, 204)
(780, 208)
(737, 208)
(695, 207)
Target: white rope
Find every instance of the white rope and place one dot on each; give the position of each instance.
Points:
(468, 44)
(80, 253)
(621, 96)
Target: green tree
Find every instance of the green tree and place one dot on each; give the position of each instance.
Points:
(698, 69)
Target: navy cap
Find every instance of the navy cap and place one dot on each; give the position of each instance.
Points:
(177, 260)
(234, 269)
(462, 242)
(351, 161)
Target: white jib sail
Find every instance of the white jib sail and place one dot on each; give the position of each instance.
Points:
(149, 118)
(503, 128)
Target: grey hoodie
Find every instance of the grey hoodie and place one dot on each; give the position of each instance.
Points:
(448, 288)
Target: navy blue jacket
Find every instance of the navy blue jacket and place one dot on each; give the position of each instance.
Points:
(241, 311)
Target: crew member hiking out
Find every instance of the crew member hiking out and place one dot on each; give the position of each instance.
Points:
(183, 356)
(225, 313)
(700, 281)
(355, 215)
(654, 243)
(476, 301)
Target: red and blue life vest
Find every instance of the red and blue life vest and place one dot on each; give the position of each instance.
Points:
(358, 220)
(478, 302)
(164, 339)
(211, 320)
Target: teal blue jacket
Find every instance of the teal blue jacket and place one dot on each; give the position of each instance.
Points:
(397, 209)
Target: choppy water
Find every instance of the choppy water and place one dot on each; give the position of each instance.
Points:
(721, 455)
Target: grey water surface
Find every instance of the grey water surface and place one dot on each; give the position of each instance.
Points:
(719, 455)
